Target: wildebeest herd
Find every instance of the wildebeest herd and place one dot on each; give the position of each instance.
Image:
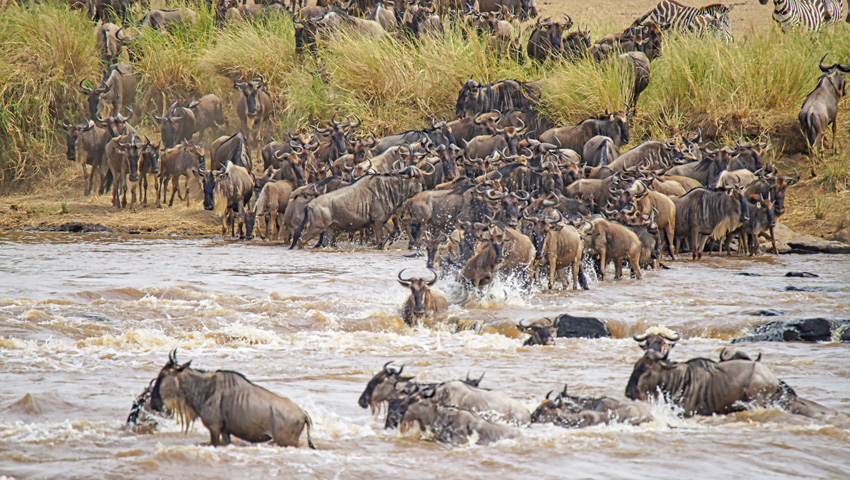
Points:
(461, 411)
(500, 191)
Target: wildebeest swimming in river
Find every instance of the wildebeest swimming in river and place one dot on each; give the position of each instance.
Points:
(228, 404)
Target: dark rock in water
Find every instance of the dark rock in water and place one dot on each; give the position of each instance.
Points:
(805, 330)
(748, 274)
(794, 288)
(581, 327)
(79, 227)
(845, 333)
(414, 255)
(801, 275)
(764, 312)
(812, 244)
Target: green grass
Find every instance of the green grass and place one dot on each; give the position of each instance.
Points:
(755, 85)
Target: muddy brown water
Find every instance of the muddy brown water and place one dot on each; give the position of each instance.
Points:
(88, 319)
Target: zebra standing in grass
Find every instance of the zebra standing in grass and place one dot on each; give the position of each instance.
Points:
(669, 14)
(807, 14)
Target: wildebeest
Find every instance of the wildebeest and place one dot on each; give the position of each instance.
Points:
(271, 205)
(176, 125)
(704, 387)
(122, 156)
(149, 165)
(504, 250)
(599, 150)
(540, 331)
(704, 213)
(638, 64)
(579, 411)
(208, 113)
(422, 300)
(612, 124)
(253, 107)
(447, 423)
(184, 160)
(612, 241)
(546, 39)
(233, 149)
(821, 105)
(469, 397)
(382, 387)
(658, 338)
(228, 404)
(558, 246)
(227, 192)
(368, 202)
(109, 41)
(503, 96)
(86, 142)
(116, 91)
(168, 19)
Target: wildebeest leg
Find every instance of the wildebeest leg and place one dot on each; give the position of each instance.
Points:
(133, 187)
(186, 190)
(143, 188)
(668, 235)
(175, 181)
(834, 138)
(700, 246)
(602, 264)
(240, 216)
(215, 434)
(618, 268)
(634, 264)
(87, 187)
(319, 243)
(694, 245)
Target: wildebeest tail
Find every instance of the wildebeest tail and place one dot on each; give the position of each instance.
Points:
(106, 183)
(810, 131)
(297, 234)
(309, 428)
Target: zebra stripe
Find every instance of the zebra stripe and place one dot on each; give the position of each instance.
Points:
(669, 14)
(806, 14)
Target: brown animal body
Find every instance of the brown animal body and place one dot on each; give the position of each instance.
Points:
(821, 105)
(704, 387)
(109, 41)
(614, 125)
(646, 201)
(599, 151)
(638, 63)
(504, 250)
(208, 113)
(254, 107)
(168, 19)
(703, 213)
(116, 91)
(422, 300)
(233, 149)
(271, 204)
(558, 247)
(231, 191)
(368, 202)
(149, 165)
(184, 160)
(615, 242)
(122, 156)
(228, 404)
(579, 412)
(86, 143)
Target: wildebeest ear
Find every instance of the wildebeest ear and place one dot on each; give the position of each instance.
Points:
(186, 365)
(198, 175)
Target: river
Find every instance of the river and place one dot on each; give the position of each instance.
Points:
(88, 320)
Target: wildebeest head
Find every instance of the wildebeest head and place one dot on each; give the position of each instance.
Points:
(338, 131)
(134, 150)
(151, 157)
(93, 96)
(432, 246)
(412, 395)
(250, 90)
(381, 387)
(510, 203)
(72, 132)
(468, 92)
(646, 372)
(621, 120)
(834, 75)
(540, 331)
(115, 125)
(171, 123)
(167, 394)
(660, 339)
(418, 291)
(541, 225)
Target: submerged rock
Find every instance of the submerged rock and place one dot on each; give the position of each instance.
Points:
(764, 312)
(804, 330)
(581, 327)
(802, 275)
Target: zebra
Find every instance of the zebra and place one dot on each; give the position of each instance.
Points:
(806, 14)
(669, 14)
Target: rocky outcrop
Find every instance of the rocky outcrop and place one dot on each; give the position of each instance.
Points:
(581, 327)
(804, 330)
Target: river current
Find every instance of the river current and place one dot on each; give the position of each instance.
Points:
(87, 320)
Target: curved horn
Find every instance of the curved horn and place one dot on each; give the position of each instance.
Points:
(432, 282)
(821, 65)
(404, 281)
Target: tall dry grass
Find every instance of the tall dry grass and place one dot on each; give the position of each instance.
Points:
(753, 86)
